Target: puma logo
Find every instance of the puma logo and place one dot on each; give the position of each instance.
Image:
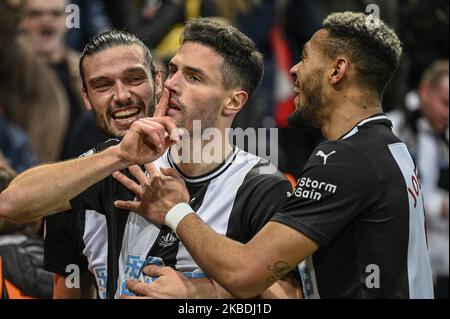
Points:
(325, 156)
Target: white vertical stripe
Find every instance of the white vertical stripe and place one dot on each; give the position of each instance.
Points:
(218, 203)
(95, 239)
(419, 268)
(309, 281)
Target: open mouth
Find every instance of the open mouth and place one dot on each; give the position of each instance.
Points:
(125, 114)
(47, 32)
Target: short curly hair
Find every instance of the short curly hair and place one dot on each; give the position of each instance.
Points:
(375, 50)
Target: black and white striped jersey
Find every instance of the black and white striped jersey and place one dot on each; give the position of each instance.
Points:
(236, 200)
(359, 197)
(77, 238)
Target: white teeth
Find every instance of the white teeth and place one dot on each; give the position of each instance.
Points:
(126, 113)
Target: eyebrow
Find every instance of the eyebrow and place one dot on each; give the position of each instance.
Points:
(97, 79)
(192, 70)
(134, 70)
(126, 72)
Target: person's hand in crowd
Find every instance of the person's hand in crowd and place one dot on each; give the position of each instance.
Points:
(157, 192)
(148, 138)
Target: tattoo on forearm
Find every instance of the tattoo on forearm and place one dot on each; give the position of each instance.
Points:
(279, 270)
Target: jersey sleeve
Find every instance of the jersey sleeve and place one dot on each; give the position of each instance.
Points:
(92, 198)
(335, 186)
(63, 242)
(259, 198)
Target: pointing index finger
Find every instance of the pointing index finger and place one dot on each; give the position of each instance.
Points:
(161, 107)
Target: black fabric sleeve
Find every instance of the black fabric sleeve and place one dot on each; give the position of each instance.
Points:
(329, 195)
(92, 198)
(63, 242)
(259, 198)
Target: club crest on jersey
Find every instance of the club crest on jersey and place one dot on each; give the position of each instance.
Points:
(168, 240)
(325, 156)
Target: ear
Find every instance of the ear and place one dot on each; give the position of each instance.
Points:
(87, 102)
(339, 71)
(235, 103)
(158, 84)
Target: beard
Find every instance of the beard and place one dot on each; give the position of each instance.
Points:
(307, 115)
(207, 114)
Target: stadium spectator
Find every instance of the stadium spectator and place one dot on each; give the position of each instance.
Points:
(31, 94)
(44, 29)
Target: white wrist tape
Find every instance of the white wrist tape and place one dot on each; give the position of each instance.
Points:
(177, 214)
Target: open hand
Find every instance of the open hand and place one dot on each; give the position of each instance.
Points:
(157, 192)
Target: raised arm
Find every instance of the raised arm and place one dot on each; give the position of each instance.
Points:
(48, 189)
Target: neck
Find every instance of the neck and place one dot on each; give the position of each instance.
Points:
(198, 157)
(342, 117)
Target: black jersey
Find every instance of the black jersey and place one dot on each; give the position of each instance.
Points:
(359, 197)
(78, 238)
(236, 200)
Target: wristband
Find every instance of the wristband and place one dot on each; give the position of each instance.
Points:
(177, 214)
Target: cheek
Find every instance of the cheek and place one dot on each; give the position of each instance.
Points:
(100, 103)
(144, 92)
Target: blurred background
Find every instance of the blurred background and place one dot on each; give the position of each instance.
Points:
(42, 118)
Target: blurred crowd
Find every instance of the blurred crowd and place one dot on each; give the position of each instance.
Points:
(43, 118)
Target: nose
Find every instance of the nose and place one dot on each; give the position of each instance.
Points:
(172, 83)
(122, 95)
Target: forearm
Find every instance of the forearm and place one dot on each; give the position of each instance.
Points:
(287, 288)
(49, 188)
(206, 288)
(209, 250)
(245, 270)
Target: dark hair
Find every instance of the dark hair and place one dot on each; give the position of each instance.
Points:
(113, 38)
(243, 65)
(375, 49)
